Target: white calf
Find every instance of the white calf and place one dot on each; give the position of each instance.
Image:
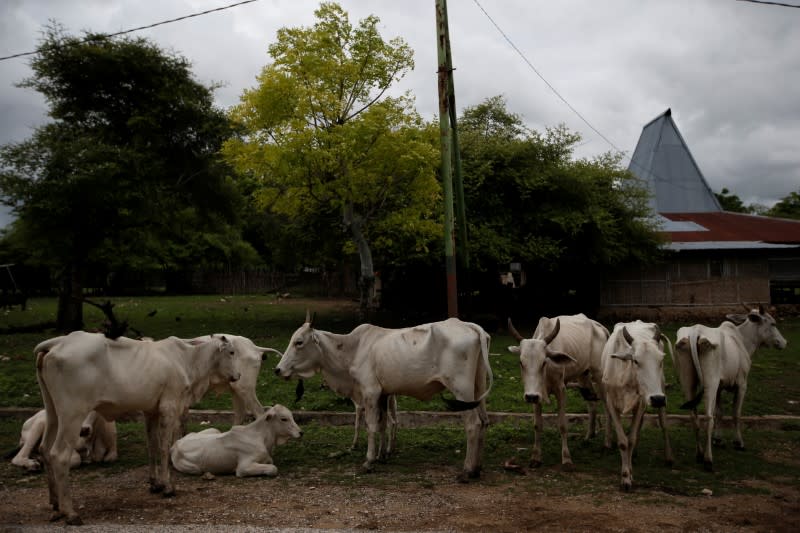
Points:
(244, 450)
(97, 442)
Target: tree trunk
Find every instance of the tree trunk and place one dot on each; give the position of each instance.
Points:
(366, 281)
(70, 299)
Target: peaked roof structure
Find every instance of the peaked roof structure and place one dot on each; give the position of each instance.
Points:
(687, 208)
(663, 160)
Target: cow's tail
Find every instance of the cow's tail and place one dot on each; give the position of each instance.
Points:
(692, 404)
(459, 405)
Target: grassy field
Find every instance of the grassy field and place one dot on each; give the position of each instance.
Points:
(773, 385)
(774, 388)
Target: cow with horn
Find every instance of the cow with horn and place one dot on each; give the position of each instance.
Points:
(562, 349)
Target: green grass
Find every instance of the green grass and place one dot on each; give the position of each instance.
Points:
(323, 451)
(773, 384)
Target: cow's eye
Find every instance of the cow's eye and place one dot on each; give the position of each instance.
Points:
(284, 419)
(232, 352)
(298, 343)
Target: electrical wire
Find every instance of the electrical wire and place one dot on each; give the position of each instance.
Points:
(161, 23)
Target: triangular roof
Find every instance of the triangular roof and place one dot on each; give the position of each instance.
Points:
(663, 160)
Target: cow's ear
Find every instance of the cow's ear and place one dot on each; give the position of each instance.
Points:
(704, 345)
(315, 338)
(560, 358)
(513, 349)
(754, 317)
(736, 318)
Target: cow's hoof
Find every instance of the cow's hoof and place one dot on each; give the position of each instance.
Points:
(625, 486)
(74, 520)
(168, 493)
(699, 458)
(708, 466)
(155, 488)
(56, 515)
(669, 462)
(738, 445)
(717, 442)
(568, 467)
(535, 463)
(366, 468)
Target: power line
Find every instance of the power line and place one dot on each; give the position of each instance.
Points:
(518, 51)
(170, 21)
(782, 4)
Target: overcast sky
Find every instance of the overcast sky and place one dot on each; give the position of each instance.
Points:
(728, 69)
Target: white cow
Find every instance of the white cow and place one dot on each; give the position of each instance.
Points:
(633, 378)
(84, 371)
(563, 349)
(97, 442)
(710, 360)
(243, 450)
(243, 391)
(371, 363)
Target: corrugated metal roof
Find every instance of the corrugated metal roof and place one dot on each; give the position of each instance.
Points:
(726, 245)
(663, 160)
(724, 226)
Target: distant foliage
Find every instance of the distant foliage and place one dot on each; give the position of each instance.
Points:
(789, 207)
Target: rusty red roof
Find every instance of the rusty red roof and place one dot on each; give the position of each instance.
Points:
(728, 226)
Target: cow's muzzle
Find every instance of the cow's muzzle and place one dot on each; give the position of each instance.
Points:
(658, 400)
(234, 378)
(532, 398)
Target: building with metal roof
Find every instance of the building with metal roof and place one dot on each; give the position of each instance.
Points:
(717, 259)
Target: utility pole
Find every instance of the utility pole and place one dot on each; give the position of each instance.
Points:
(443, 45)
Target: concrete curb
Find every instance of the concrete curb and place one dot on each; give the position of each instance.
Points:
(410, 419)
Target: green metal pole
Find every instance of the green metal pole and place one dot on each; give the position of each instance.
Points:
(446, 146)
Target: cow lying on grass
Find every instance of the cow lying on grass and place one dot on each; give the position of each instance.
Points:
(97, 442)
(244, 450)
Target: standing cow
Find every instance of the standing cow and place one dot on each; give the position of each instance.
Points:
(562, 349)
(370, 363)
(83, 371)
(710, 360)
(633, 378)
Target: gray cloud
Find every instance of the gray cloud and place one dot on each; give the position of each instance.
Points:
(729, 70)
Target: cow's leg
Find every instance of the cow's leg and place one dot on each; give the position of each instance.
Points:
(252, 468)
(23, 457)
(151, 425)
(633, 439)
(383, 450)
(392, 423)
(710, 397)
(624, 452)
(738, 400)
(662, 420)
(566, 458)
(239, 411)
(168, 428)
(58, 459)
(475, 422)
(717, 437)
(538, 427)
(358, 412)
(372, 416)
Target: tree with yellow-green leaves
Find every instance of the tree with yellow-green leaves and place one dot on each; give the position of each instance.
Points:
(322, 134)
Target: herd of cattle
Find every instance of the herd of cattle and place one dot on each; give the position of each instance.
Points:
(88, 380)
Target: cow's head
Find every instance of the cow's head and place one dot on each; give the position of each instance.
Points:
(534, 357)
(759, 327)
(283, 425)
(228, 365)
(643, 354)
(302, 356)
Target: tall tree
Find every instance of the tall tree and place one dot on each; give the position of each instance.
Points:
(731, 202)
(788, 207)
(322, 136)
(126, 171)
(531, 201)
